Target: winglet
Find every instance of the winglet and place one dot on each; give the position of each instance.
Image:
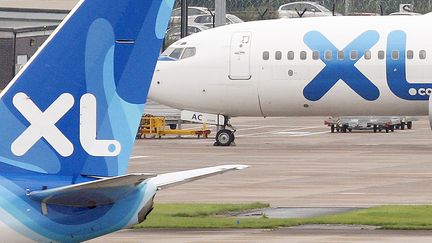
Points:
(176, 178)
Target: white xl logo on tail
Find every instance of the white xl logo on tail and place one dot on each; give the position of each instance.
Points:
(42, 125)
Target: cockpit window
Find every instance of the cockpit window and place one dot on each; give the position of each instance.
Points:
(189, 52)
(176, 54)
(167, 52)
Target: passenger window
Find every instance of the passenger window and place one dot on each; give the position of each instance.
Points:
(303, 55)
(176, 54)
(290, 55)
(381, 55)
(410, 54)
(189, 52)
(328, 55)
(278, 55)
(368, 55)
(353, 55)
(395, 55)
(266, 55)
(341, 55)
(422, 54)
(315, 55)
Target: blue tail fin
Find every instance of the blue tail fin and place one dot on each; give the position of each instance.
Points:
(75, 108)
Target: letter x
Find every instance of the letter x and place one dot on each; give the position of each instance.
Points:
(341, 69)
(42, 124)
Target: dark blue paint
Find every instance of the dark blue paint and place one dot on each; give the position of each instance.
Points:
(344, 70)
(396, 70)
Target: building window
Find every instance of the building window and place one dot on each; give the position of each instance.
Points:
(32, 42)
(22, 59)
(20, 62)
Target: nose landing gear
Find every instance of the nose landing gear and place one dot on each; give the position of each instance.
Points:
(225, 137)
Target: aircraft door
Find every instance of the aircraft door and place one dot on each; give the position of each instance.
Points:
(240, 56)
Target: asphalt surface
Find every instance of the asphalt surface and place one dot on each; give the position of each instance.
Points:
(295, 162)
(355, 235)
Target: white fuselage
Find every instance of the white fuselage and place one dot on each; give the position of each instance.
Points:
(370, 70)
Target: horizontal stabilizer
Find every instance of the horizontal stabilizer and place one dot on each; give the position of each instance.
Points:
(176, 178)
(107, 191)
(90, 194)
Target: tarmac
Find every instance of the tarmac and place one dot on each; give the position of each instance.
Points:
(295, 162)
(274, 236)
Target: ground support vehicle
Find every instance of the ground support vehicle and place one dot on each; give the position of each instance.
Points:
(375, 124)
(156, 127)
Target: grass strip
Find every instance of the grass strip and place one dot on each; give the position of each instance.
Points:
(215, 216)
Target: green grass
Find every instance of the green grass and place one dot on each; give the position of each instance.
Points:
(388, 217)
(217, 216)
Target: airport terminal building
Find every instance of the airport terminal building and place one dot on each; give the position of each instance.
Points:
(22, 32)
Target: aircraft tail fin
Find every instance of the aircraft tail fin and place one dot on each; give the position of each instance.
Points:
(75, 107)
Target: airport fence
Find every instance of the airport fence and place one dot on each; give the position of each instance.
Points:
(266, 9)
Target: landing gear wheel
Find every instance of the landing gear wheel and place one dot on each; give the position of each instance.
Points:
(232, 138)
(409, 125)
(224, 138)
(344, 128)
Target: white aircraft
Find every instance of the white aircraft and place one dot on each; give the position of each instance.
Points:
(68, 123)
(338, 66)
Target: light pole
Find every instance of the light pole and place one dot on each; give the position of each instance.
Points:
(220, 12)
(184, 18)
(347, 6)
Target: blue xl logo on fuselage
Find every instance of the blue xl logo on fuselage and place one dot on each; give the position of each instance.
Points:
(338, 68)
(343, 67)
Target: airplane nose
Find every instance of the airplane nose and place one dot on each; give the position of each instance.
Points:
(154, 85)
(164, 87)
